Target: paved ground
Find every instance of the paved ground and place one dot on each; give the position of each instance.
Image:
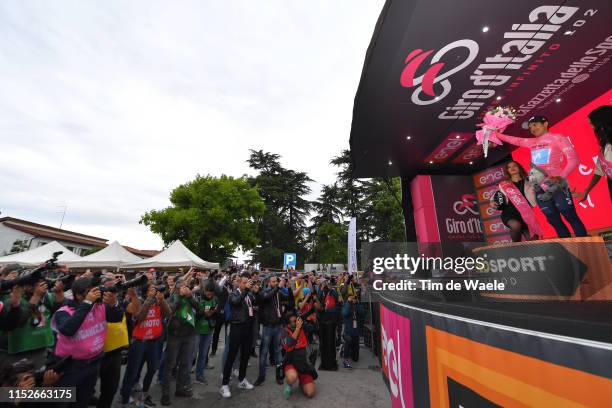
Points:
(361, 387)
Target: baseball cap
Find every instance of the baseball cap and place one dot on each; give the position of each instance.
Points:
(537, 119)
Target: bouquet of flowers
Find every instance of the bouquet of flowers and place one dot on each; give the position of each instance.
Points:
(495, 122)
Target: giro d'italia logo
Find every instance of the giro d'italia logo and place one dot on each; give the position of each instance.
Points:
(467, 203)
(425, 94)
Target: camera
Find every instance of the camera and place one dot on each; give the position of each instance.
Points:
(66, 279)
(306, 314)
(24, 366)
(123, 286)
(33, 276)
(161, 288)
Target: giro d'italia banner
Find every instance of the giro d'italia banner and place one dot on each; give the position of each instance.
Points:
(435, 360)
(433, 69)
(456, 209)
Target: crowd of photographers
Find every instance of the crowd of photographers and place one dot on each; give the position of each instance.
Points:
(77, 330)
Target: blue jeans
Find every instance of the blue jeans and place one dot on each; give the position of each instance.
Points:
(147, 350)
(562, 203)
(271, 334)
(203, 347)
(351, 340)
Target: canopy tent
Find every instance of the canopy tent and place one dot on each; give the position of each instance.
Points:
(176, 255)
(41, 254)
(433, 69)
(113, 256)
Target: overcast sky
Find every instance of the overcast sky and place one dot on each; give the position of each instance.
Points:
(105, 106)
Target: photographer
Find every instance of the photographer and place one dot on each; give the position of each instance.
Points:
(116, 340)
(222, 291)
(23, 375)
(33, 335)
(146, 337)
(328, 318)
(288, 304)
(347, 288)
(181, 335)
(270, 300)
(307, 307)
(353, 314)
(296, 365)
(205, 324)
(81, 332)
(10, 310)
(241, 333)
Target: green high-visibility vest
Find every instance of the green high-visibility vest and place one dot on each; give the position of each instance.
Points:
(33, 335)
(203, 324)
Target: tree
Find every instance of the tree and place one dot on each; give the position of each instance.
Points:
(329, 244)
(351, 193)
(286, 211)
(212, 216)
(374, 202)
(19, 245)
(383, 210)
(327, 207)
(91, 251)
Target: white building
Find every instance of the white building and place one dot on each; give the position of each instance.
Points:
(19, 235)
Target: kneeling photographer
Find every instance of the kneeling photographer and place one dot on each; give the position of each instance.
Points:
(25, 376)
(296, 365)
(81, 331)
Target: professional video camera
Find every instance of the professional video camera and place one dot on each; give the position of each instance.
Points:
(12, 372)
(66, 279)
(33, 276)
(140, 280)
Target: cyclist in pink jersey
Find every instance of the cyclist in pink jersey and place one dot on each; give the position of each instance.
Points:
(555, 154)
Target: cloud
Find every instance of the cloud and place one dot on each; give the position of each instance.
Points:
(108, 106)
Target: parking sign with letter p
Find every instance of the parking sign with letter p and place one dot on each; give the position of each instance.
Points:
(289, 259)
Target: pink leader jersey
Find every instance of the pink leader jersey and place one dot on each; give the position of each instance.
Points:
(552, 152)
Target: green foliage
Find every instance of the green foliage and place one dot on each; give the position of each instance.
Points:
(383, 210)
(212, 216)
(374, 202)
(19, 245)
(91, 251)
(330, 244)
(286, 212)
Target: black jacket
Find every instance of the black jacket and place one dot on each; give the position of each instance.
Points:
(239, 307)
(270, 302)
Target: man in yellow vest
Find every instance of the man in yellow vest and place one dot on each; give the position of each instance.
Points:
(110, 366)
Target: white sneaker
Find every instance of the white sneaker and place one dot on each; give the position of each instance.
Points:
(245, 385)
(225, 391)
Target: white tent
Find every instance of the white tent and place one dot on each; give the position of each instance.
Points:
(176, 255)
(113, 256)
(40, 254)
